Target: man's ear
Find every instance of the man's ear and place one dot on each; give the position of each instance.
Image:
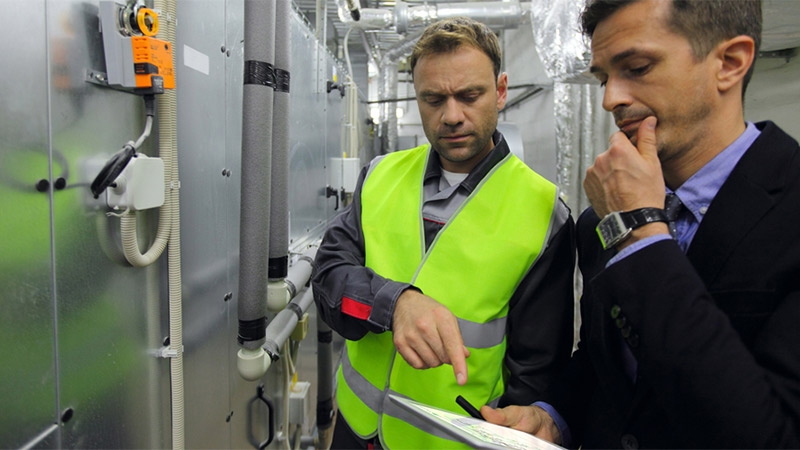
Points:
(736, 55)
(502, 90)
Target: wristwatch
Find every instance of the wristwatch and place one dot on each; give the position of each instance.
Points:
(617, 226)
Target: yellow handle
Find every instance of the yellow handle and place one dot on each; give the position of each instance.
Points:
(150, 29)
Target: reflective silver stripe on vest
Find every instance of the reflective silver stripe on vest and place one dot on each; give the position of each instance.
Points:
(380, 403)
(372, 165)
(482, 335)
(475, 335)
(364, 390)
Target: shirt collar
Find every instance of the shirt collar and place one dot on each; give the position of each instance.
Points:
(700, 189)
(500, 150)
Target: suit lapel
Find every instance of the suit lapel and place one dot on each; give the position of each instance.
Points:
(749, 192)
(747, 195)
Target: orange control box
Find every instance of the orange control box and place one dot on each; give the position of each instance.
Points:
(151, 57)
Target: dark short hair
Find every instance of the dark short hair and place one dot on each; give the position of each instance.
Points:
(704, 23)
(448, 35)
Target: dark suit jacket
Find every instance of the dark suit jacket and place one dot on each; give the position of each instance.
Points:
(716, 332)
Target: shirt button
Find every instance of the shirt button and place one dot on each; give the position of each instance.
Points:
(629, 441)
(615, 310)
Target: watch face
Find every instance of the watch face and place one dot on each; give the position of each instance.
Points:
(612, 230)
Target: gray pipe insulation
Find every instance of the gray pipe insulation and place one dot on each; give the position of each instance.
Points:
(282, 326)
(325, 374)
(257, 104)
(300, 272)
(286, 320)
(387, 89)
(279, 207)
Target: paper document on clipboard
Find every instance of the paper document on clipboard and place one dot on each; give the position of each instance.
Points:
(474, 432)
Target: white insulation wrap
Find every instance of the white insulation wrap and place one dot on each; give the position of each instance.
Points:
(559, 42)
(565, 54)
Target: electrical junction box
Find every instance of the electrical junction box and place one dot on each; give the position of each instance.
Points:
(300, 406)
(140, 185)
(343, 173)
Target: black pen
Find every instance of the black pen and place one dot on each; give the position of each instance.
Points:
(469, 408)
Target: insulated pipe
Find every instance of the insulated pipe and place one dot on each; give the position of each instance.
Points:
(496, 15)
(279, 210)
(387, 90)
(253, 364)
(282, 326)
(325, 413)
(257, 104)
(355, 8)
(372, 19)
(300, 272)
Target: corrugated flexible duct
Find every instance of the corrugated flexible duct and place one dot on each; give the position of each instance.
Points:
(578, 112)
(387, 91)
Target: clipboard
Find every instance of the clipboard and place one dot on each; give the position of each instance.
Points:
(473, 432)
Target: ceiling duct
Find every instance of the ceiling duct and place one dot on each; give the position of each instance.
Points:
(403, 18)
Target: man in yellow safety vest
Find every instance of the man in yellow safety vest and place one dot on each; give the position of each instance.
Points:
(451, 253)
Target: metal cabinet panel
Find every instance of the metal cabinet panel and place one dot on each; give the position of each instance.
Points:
(27, 354)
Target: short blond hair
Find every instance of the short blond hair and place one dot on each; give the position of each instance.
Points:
(447, 35)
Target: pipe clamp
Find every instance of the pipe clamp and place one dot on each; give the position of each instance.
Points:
(166, 352)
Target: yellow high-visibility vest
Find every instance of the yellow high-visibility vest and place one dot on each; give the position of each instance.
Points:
(473, 267)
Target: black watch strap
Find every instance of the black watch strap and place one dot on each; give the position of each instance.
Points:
(642, 216)
(617, 226)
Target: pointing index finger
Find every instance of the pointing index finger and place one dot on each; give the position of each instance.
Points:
(456, 352)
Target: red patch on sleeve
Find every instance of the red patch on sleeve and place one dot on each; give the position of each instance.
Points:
(355, 309)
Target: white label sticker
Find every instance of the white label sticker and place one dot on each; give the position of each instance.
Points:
(195, 60)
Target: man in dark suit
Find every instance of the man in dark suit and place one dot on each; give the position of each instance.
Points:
(690, 340)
